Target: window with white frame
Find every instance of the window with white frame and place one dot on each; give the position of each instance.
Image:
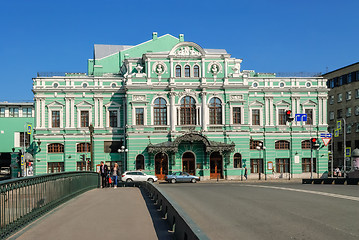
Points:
(187, 71)
(310, 116)
(178, 71)
(215, 111)
(160, 111)
(13, 112)
(26, 112)
(84, 118)
(113, 118)
(256, 117)
(340, 97)
(356, 110)
(2, 112)
(349, 112)
(237, 115)
(188, 111)
(140, 114)
(331, 100)
(348, 95)
(349, 128)
(196, 71)
(282, 117)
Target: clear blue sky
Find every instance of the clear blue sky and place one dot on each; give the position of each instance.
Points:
(269, 35)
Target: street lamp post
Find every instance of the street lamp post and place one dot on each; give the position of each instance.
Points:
(259, 148)
(124, 151)
(91, 129)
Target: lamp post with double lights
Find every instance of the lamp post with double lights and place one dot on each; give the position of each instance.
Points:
(259, 148)
(124, 151)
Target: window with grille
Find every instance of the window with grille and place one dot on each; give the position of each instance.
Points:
(255, 117)
(196, 71)
(160, 112)
(256, 165)
(84, 118)
(282, 117)
(113, 118)
(282, 165)
(237, 160)
(55, 167)
(187, 71)
(83, 147)
(309, 113)
(82, 166)
(178, 71)
(55, 119)
(215, 111)
(55, 148)
(306, 166)
(254, 144)
(140, 116)
(306, 144)
(282, 145)
(236, 115)
(188, 111)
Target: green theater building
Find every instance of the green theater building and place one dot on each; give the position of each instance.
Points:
(170, 105)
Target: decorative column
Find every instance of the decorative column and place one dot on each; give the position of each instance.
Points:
(324, 110)
(320, 111)
(173, 110)
(101, 112)
(204, 109)
(67, 112)
(43, 113)
(267, 111)
(271, 111)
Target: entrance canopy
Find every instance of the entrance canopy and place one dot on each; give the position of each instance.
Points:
(210, 146)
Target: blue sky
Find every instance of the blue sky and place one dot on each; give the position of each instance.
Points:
(269, 35)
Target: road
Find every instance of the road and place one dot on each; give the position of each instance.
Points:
(260, 210)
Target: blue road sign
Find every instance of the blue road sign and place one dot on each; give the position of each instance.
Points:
(29, 129)
(301, 117)
(348, 151)
(325, 135)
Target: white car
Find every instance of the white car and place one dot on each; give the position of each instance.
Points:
(137, 176)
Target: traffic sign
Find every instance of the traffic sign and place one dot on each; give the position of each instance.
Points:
(301, 117)
(326, 141)
(339, 124)
(22, 160)
(29, 129)
(348, 151)
(325, 135)
(336, 133)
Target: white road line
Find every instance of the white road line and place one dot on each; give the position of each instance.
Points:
(307, 191)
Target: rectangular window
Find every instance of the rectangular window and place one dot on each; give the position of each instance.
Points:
(139, 116)
(331, 115)
(14, 112)
(356, 110)
(306, 165)
(2, 112)
(27, 139)
(331, 99)
(82, 166)
(113, 118)
(236, 115)
(282, 165)
(340, 97)
(339, 113)
(282, 117)
(349, 78)
(348, 95)
(357, 129)
(112, 146)
(27, 112)
(309, 113)
(55, 119)
(356, 93)
(255, 117)
(349, 112)
(55, 167)
(256, 165)
(84, 118)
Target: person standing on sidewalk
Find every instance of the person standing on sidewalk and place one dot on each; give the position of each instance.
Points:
(115, 172)
(103, 172)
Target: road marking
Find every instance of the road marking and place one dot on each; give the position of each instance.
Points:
(308, 191)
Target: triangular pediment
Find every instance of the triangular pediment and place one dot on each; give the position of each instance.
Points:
(309, 103)
(55, 104)
(112, 105)
(84, 104)
(282, 102)
(256, 103)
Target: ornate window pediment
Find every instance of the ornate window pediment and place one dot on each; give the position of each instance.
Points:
(282, 103)
(309, 103)
(84, 104)
(256, 103)
(55, 104)
(187, 49)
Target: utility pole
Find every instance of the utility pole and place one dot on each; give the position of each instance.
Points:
(91, 129)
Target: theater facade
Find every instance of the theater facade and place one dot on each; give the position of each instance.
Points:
(170, 105)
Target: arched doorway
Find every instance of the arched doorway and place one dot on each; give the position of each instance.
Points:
(161, 165)
(189, 163)
(216, 166)
(140, 162)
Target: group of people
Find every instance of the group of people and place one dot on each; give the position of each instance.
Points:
(109, 178)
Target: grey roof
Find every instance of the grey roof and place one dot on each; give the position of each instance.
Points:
(216, 51)
(102, 51)
(16, 103)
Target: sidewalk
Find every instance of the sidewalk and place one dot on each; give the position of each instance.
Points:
(122, 213)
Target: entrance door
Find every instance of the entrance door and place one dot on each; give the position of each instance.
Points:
(189, 163)
(161, 166)
(216, 165)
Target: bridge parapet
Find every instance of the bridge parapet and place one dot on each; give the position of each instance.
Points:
(25, 199)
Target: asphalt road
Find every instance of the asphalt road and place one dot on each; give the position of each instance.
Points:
(252, 210)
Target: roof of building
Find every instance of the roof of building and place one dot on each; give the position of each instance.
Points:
(102, 50)
(351, 65)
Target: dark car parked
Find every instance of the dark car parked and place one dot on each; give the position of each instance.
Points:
(181, 177)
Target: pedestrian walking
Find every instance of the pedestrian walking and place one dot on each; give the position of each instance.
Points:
(245, 172)
(103, 172)
(115, 172)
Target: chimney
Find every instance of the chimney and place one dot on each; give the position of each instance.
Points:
(181, 37)
(154, 35)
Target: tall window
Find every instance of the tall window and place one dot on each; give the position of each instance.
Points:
(255, 117)
(54, 167)
(113, 118)
(140, 162)
(140, 116)
(178, 71)
(254, 144)
(27, 139)
(27, 112)
(196, 71)
(282, 165)
(236, 115)
(256, 165)
(2, 112)
(309, 113)
(306, 144)
(83, 147)
(188, 111)
(282, 117)
(215, 111)
(55, 119)
(55, 148)
(84, 118)
(237, 160)
(160, 112)
(306, 166)
(14, 112)
(282, 145)
(187, 71)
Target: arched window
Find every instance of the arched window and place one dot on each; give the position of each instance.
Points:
(196, 71)
(55, 148)
(215, 111)
(140, 162)
(282, 145)
(187, 71)
(237, 160)
(306, 144)
(160, 112)
(178, 71)
(188, 111)
(83, 147)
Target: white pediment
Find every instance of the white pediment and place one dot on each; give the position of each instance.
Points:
(84, 104)
(187, 49)
(282, 102)
(256, 103)
(112, 105)
(55, 104)
(309, 103)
